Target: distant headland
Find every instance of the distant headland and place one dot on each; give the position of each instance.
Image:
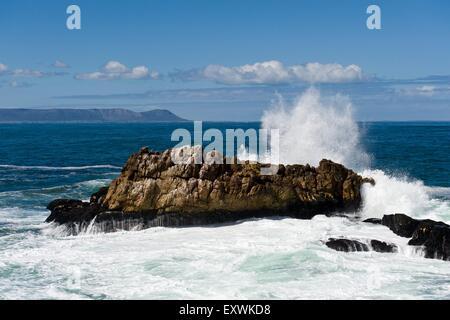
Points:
(86, 115)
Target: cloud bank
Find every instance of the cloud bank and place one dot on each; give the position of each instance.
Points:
(274, 72)
(27, 73)
(60, 64)
(114, 70)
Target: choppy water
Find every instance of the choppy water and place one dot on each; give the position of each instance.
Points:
(268, 258)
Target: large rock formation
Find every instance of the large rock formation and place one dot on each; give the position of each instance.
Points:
(154, 191)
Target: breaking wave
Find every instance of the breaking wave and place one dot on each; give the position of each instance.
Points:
(314, 127)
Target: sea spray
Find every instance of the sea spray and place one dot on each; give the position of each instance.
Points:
(401, 194)
(313, 128)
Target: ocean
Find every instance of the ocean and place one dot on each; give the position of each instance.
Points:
(278, 258)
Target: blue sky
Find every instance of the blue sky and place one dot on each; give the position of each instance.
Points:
(187, 56)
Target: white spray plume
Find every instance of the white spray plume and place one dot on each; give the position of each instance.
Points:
(314, 128)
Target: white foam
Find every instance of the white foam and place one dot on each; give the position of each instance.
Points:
(393, 194)
(314, 128)
(258, 259)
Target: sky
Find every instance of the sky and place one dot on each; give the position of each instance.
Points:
(226, 60)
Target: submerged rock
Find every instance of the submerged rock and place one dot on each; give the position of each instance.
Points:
(153, 190)
(348, 245)
(432, 235)
(381, 246)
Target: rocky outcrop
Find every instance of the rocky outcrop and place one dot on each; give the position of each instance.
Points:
(347, 245)
(400, 224)
(433, 236)
(152, 190)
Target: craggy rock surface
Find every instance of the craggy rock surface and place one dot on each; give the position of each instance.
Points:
(400, 224)
(153, 191)
(348, 245)
(432, 235)
(150, 181)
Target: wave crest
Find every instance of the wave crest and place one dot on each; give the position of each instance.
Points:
(313, 128)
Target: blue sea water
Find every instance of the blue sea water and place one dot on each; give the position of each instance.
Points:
(282, 258)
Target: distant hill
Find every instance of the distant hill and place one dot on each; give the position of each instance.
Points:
(86, 115)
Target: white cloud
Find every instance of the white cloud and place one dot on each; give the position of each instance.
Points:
(60, 64)
(141, 72)
(114, 67)
(425, 90)
(3, 68)
(28, 73)
(331, 73)
(258, 73)
(274, 72)
(17, 84)
(113, 70)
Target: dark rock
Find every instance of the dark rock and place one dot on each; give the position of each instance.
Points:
(64, 211)
(98, 197)
(422, 233)
(373, 220)
(400, 224)
(64, 204)
(433, 236)
(60, 206)
(380, 246)
(346, 245)
(369, 180)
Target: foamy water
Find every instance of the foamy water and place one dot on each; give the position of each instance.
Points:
(255, 259)
(404, 195)
(273, 259)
